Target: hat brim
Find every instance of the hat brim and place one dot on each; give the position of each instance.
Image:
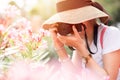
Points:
(75, 16)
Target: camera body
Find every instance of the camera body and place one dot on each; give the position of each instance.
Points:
(65, 29)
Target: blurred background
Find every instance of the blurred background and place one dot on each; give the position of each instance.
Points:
(37, 11)
(21, 37)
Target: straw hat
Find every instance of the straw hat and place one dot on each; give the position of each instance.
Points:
(77, 11)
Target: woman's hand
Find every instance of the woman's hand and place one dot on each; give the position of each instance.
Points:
(74, 40)
(57, 43)
(59, 46)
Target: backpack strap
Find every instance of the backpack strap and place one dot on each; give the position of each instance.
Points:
(102, 35)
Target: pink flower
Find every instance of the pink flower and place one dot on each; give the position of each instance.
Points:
(19, 71)
(25, 71)
(51, 71)
(44, 32)
(2, 29)
(36, 37)
(22, 24)
(8, 14)
(10, 11)
(2, 77)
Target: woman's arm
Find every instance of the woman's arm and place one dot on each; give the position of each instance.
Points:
(62, 53)
(77, 59)
(77, 42)
(91, 63)
(59, 46)
(112, 63)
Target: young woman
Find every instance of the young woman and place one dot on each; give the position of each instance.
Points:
(76, 25)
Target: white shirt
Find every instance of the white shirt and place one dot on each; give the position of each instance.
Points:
(111, 42)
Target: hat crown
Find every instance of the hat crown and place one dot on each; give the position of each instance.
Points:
(63, 5)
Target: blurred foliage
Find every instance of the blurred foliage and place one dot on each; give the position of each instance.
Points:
(113, 8)
(18, 41)
(46, 8)
(34, 50)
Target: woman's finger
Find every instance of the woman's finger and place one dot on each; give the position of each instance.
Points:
(63, 39)
(53, 32)
(76, 33)
(54, 35)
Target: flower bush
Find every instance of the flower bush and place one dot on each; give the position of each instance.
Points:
(18, 41)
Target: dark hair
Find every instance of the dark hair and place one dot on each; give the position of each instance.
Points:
(95, 37)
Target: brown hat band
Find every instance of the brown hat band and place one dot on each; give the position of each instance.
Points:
(72, 4)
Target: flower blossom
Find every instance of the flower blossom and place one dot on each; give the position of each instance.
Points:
(51, 71)
(8, 14)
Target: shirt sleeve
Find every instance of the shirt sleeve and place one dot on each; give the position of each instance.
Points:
(111, 40)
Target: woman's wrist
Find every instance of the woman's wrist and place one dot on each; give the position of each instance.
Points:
(79, 46)
(64, 59)
(87, 58)
(62, 53)
(60, 48)
(83, 51)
